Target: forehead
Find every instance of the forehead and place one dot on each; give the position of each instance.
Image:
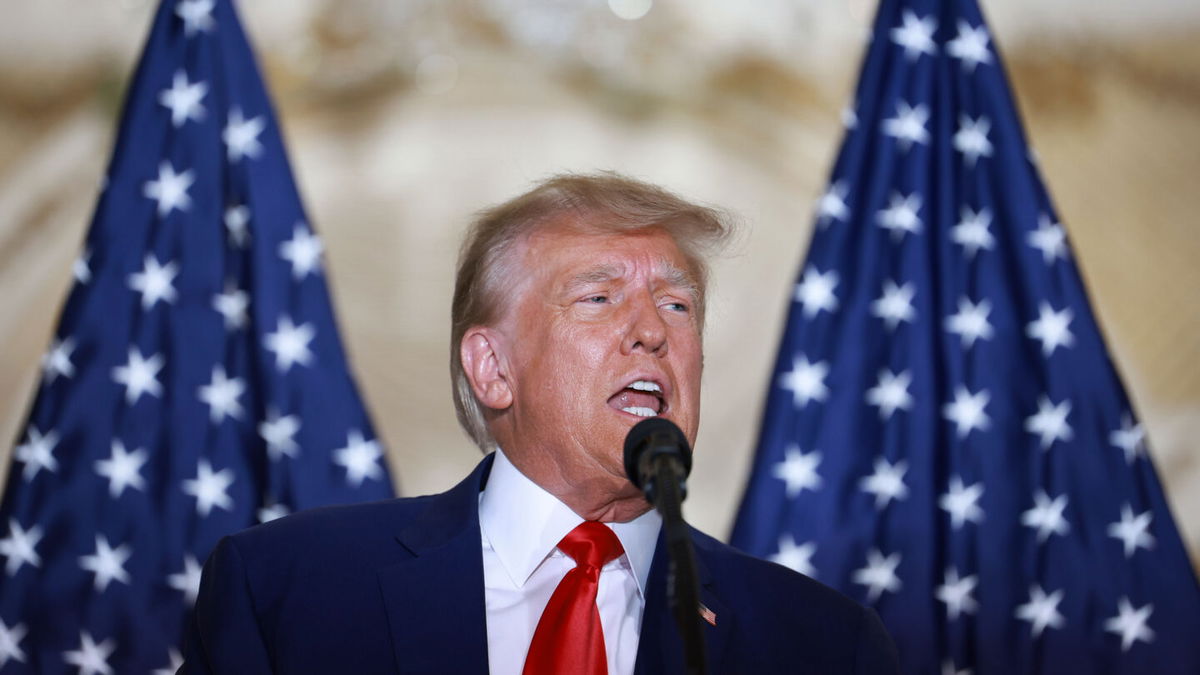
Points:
(598, 256)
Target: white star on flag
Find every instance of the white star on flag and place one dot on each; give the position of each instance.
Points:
(895, 305)
(107, 563)
(1050, 239)
(956, 593)
(196, 16)
(187, 580)
(962, 502)
(289, 343)
(236, 220)
(890, 393)
(210, 488)
(968, 411)
(1046, 516)
(886, 483)
(279, 433)
(155, 282)
(175, 663)
(908, 126)
(849, 118)
(915, 35)
(272, 512)
(170, 189)
(972, 232)
(122, 469)
(1129, 438)
(10, 643)
(20, 547)
(139, 375)
(972, 140)
(795, 557)
(879, 574)
(232, 305)
(1132, 530)
(949, 669)
(832, 204)
(1130, 623)
(91, 658)
(303, 251)
(815, 291)
(184, 99)
(221, 395)
(970, 323)
(1050, 422)
(970, 46)
(1042, 610)
(57, 360)
(901, 215)
(806, 381)
(1051, 328)
(360, 458)
(80, 268)
(798, 470)
(241, 136)
(37, 452)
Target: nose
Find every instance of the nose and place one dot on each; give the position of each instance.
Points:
(646, 331)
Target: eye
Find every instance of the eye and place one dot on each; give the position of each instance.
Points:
(677, 307)
(596, 299)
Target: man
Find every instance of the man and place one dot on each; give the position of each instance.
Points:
(578, 310)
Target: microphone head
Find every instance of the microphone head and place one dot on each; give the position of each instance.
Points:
(655, 434)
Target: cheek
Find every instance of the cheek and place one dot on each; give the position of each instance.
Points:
(571, 363)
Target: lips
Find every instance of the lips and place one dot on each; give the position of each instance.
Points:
(643, 398)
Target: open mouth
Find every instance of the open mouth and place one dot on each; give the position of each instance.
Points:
(642, 398)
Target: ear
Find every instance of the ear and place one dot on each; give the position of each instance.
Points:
(483, 363)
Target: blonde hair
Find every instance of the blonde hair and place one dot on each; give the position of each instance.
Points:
(601, 202)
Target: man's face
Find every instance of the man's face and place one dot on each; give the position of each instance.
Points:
(602, 331)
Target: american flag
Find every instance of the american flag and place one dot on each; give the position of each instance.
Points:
(196, 384)
(946, 438)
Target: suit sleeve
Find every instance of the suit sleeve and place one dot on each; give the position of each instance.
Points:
(875, 653)
(224, 636)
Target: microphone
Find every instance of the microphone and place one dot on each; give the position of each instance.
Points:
(655, 451)
(658, 461)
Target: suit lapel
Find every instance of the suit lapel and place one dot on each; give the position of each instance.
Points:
(660, 647)
(435, 599)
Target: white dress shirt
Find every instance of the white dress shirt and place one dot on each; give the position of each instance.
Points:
(521, 526)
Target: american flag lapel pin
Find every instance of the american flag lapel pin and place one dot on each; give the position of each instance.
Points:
(708, 615)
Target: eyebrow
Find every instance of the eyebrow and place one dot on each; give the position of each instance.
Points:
(672, 275)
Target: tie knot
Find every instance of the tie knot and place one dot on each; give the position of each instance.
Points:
(591, 544)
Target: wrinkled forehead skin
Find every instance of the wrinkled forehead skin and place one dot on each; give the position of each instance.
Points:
(518, 264)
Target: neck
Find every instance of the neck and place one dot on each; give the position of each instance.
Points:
(593, 495)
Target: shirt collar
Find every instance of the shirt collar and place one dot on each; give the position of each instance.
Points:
(524, 523)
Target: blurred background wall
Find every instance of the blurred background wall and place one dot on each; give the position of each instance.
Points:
(403, 117)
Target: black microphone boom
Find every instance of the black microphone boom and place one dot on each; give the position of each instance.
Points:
(658, 461)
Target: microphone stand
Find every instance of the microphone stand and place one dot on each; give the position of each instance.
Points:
(683, 595)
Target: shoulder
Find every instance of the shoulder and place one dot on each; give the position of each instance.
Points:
(337, 521)
(794, 618)
(736, 570)
(349, 534)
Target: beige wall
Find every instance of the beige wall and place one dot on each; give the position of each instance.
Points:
(403, 118)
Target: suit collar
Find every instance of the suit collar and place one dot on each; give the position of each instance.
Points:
(448, 514)
(435, 599)
(660, 648)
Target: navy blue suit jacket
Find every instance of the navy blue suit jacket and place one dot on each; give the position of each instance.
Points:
(397, 587)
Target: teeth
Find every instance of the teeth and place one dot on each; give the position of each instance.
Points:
(640, 412)
(643, 385)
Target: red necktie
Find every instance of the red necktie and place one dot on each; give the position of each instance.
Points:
(568, 638)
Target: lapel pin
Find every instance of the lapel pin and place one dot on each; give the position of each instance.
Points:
(708, 615)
